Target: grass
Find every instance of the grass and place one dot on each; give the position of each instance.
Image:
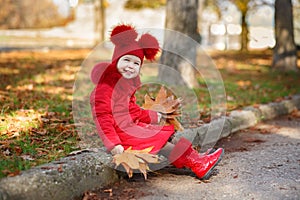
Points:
(36, 119)
(246, 90)
(36, 108)
(249, 80)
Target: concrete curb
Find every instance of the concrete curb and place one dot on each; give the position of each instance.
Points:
(64, 179)
(237, 120)
(73, 175)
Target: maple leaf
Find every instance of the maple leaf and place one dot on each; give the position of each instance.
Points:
(135, 159)
(165, 104)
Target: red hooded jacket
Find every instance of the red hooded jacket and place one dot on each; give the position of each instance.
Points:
(119, 120)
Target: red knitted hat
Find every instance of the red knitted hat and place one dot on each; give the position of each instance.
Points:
(124, 38)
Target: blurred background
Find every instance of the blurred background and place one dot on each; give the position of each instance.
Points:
(84, 23)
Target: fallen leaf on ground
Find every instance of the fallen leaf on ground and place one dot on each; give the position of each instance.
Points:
(109, 191)
(295, 113)
(60, 169)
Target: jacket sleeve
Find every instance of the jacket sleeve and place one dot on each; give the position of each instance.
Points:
(145, 116)
(101, 103)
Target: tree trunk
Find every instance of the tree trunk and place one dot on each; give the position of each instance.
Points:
(244, 36)
(285, 50)
(177, 68)
(99, 20)
(242, 5)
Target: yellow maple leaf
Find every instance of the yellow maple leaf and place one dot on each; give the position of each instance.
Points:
(167, 105)
(135, 159)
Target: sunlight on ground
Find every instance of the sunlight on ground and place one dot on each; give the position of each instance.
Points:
(13, 124)
(9, 71)
(291, 132)
(65, 73)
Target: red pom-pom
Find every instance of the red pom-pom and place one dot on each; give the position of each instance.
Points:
(150, 45)
(123, 35)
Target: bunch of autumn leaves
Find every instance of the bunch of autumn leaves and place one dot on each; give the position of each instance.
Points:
(168, 106)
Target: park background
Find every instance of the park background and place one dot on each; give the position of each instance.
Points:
(75, 23)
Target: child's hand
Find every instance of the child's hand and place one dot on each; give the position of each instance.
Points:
(117, 150)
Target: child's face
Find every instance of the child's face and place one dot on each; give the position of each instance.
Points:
(129, 66)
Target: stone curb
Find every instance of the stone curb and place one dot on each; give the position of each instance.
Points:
(64, 179)
(237, 120)
(71, 176)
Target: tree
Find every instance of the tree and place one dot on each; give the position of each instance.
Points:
(100, 6)
(285, 50)
(242, 5)
(181, 16)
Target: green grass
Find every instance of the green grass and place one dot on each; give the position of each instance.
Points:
(247, 88)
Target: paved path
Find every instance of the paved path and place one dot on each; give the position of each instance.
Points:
(260, 163)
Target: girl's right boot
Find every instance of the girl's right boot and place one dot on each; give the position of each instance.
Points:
(183, 155)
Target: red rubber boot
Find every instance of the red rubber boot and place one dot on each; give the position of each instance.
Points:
(183, 155)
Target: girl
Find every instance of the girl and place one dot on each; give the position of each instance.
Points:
(121, 123)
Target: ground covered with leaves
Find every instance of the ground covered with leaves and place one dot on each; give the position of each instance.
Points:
(36, 122)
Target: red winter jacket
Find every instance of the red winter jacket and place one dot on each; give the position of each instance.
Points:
(119, 120)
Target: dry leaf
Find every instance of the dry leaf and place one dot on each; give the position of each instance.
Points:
(109, 191)
(128, 170)
(295, 113)
(176, 123)
(135, 159)
(143, 168)
(60, 169)
(129, 158)
(167, 105)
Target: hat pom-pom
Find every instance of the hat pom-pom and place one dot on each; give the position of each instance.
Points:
(150, 45)
(123, 35)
